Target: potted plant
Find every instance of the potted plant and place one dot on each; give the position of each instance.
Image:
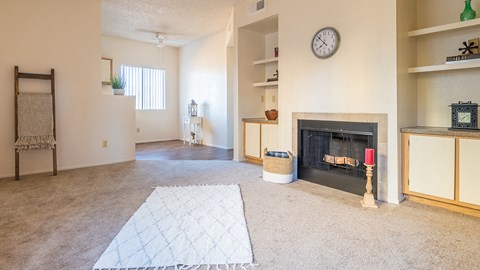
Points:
(118, 85)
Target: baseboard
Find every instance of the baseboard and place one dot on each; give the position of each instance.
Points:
(153, 141)
(217, 146)
(64, 168)
(451, 207)
(96, 164)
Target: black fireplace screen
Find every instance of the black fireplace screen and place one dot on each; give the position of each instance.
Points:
(332, 153)
(329, 151)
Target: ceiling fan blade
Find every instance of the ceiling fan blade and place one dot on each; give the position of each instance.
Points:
(148, 31)
(166, 34)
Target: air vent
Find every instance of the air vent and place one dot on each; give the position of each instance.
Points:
(256, 6)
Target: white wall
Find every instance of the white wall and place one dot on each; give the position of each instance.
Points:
(230, 71)
(203, 77)
(152, 125)
(359, 78)
(37, 36)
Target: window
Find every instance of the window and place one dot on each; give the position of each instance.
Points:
(147, 84)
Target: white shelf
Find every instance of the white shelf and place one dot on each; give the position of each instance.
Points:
(265, 61)
(259, 84)
(444, 28)
(444, 67)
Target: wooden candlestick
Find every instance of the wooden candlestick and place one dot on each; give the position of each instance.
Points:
(368, 199)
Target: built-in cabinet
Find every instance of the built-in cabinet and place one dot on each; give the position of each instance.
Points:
(259, 135)
(442, 166)
(437, 166)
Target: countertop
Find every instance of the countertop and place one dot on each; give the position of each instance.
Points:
(259, 120)
(442, 131)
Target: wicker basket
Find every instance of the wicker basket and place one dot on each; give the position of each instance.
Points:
(277, 166)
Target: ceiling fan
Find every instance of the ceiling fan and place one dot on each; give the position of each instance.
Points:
(162, 37)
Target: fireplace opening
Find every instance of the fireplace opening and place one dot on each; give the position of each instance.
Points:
(332, 153)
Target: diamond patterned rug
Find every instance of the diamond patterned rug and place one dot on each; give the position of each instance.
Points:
(184, 228)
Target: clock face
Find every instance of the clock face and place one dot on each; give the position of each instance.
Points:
(464, 117)
(325, 42)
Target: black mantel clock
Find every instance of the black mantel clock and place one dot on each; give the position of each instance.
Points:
(464, 115)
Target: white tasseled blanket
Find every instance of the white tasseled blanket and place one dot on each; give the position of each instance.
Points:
(35, 122)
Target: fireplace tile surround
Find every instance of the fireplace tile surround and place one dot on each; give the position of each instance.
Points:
(382, 144)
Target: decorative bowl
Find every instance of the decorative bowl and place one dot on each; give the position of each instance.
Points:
(271, 114)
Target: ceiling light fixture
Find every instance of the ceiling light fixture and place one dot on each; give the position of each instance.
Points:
(160, 44)
(160, 40)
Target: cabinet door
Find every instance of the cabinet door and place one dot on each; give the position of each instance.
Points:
(469, 177)
(432, 166)
(269, 137)
(252, 140)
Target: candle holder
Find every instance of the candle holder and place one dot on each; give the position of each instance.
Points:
(368, 199)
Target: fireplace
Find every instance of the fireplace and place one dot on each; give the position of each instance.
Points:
(332, 153)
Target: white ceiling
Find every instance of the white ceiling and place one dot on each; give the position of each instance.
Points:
(182, 20)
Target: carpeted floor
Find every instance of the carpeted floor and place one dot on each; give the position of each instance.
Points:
(67, 221)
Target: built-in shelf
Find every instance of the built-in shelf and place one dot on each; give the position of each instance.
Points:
(259, 84)
(444, 28)
(265, 61)
(444, 67)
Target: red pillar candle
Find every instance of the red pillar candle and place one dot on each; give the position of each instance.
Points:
(369, 156)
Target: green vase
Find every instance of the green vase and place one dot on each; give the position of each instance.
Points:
(468, 13)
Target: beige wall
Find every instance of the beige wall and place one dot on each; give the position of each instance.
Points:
(153, 125)
(37, 36)
(406, 83)
(359, 78)
(271, 92)
(203, 77)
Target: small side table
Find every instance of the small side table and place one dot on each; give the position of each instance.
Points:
(192, 130)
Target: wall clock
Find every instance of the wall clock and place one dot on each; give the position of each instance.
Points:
(464, 115)
(325, 42)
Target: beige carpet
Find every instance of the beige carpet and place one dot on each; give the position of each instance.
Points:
(67, 221)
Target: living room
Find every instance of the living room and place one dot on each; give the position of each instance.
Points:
(368, 76)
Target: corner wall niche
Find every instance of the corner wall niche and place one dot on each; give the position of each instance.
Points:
(427, 85)
(258, 69)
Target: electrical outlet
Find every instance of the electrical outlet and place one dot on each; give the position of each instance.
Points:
(104, 144)
(138, 130)
(262, 99)
(274, 98)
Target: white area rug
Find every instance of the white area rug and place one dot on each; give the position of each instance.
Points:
(184, 228)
